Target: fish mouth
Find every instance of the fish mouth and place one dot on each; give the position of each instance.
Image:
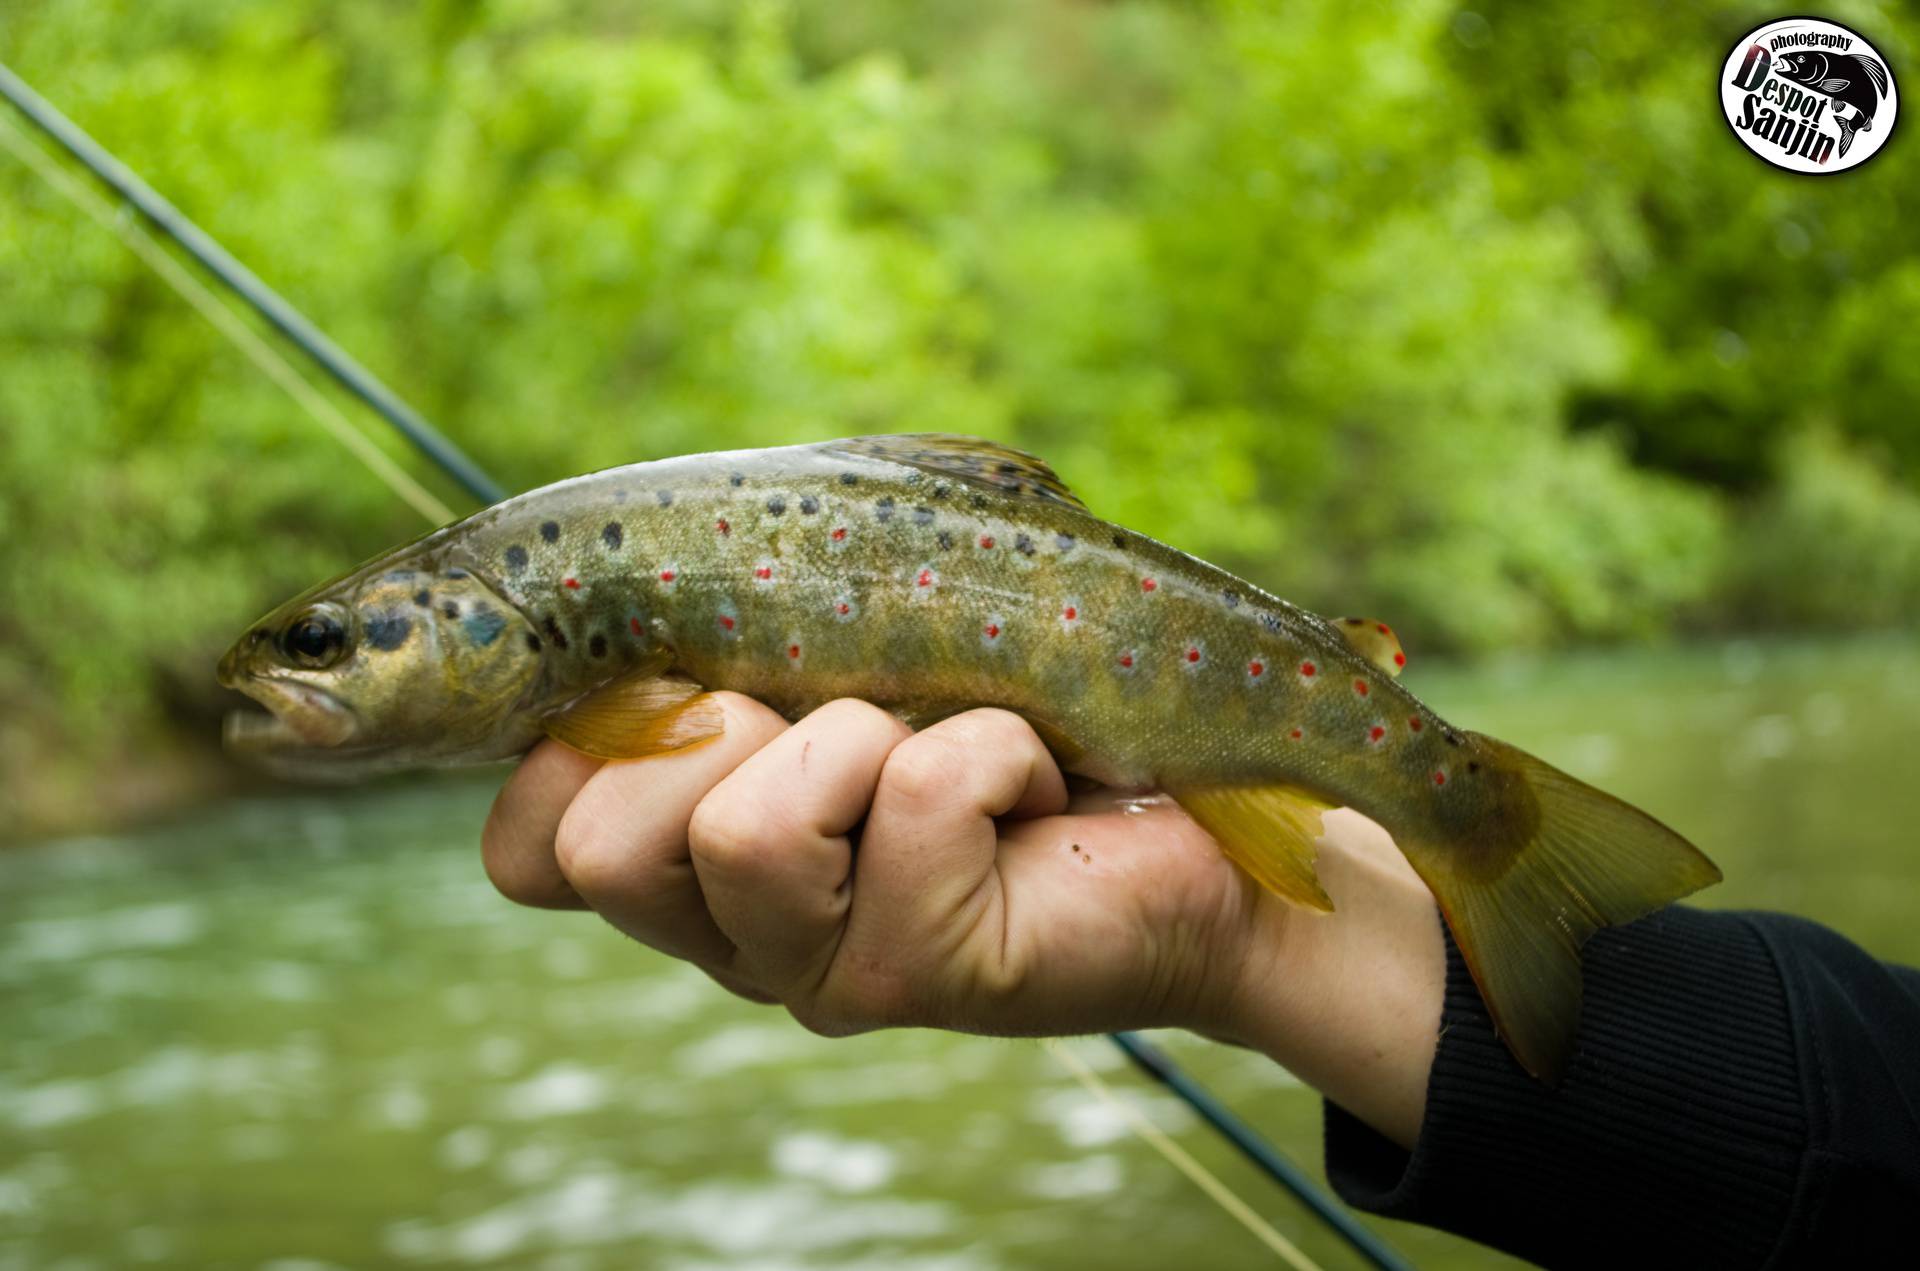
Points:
(298, 716)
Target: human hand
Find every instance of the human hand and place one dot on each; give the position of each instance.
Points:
(980, 898)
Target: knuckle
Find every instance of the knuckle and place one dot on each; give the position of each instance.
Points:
(589, 851)
(847, 714)
(724, 833)
(922, 770)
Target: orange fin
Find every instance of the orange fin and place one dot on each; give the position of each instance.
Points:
(1373, 640)
(971, 459)
(1549, 862)
(638, 715)
(1268, 831)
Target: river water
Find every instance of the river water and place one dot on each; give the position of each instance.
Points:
(303, 1033)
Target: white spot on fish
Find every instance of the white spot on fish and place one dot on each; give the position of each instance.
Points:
(1070, 614)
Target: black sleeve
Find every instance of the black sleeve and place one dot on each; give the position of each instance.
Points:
(1746, 1092)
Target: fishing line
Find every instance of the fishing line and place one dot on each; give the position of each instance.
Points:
(228, 323)
(1178, 1157)
(451, 460)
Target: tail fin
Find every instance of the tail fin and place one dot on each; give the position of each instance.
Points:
(1847, 130)
(1521, 896)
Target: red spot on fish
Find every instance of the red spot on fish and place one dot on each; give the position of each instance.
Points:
(925, 579)
(1399, 659)
(793, 650)
(1439, 778)
(1360, 687)
(1295, 734)
(993, 630)
(1309, 670)
(571, 583)
(722, 526)
(843, 608)
(1383, 629)
(839, 534)
(1256, 669)
(986, 541)
(633, 624)
(1376, 733)
(1069, 613)
(1193, 654)
(1413, 722)
(726, 622)
(1147, 584)
(667, 575)
(763, 572)
(1126, 660)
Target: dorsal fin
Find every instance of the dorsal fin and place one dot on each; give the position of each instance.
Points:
(971, 459)
(1373, 640)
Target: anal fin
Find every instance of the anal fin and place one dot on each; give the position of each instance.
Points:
(1268, 831)
(638, 715)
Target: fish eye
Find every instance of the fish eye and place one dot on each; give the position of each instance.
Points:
(315, 639)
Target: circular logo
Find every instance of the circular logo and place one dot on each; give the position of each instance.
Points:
(1809, 95)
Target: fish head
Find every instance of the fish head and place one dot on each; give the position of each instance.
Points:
(388, 667)
(1801, 68)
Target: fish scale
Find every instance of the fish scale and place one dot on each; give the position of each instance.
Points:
(931, 575)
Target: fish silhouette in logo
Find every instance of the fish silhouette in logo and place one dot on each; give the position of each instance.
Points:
(1851, 79)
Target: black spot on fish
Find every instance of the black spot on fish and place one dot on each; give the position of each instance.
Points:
(423, 598)
(1010, 469)
(978, 500)
(848, 478)
(516, 558)
(598, 645)
(1271, 621)
(776, 506)
(916, 477)
(388, 631)
(1120, 541)
(736, 479)
(1231, 599)
(483, 626)
(923, 516)
(554, 633)
(1023, 545)
(456, 573)
(1063, 541)
(1453, 738)
(809, 505)
(533, 642)
(613, 535)
(945, 540)
(940, 490)
(663, 497)
(1353, 622)
(884, 509)
(399, 575)
(550, 531)
(1473, 765)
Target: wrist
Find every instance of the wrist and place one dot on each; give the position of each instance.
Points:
(1349, 1002)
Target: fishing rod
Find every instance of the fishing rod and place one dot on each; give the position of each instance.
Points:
(450, 459)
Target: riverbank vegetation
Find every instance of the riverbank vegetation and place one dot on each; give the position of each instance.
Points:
(1476, 318)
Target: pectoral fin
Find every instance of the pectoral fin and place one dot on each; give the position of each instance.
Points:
(1268, 831)
(1834, 85)
(638, 715)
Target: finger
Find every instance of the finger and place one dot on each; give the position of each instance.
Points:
(770, 844)
(623, 842)
(516, 844)
(930, 839)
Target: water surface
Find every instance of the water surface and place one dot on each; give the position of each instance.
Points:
(304, 1033)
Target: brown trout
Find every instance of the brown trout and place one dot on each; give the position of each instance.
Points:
(931, 575)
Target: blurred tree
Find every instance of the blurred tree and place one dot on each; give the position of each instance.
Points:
(1475, 317)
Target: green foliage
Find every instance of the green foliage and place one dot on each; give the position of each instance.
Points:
(1468, 319)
